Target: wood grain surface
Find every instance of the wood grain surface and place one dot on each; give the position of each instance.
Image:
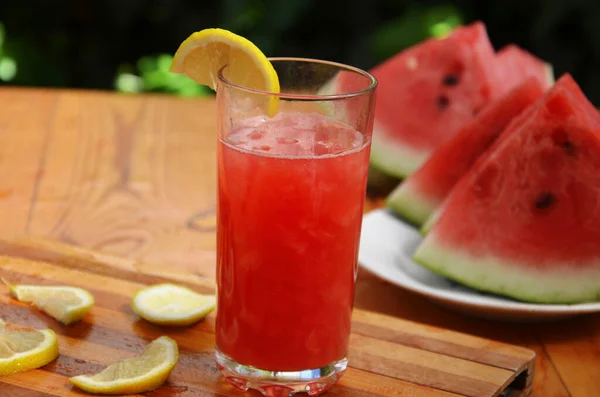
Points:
(136, 177)
(388, 356)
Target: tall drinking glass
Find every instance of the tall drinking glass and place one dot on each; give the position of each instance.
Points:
(290, 204)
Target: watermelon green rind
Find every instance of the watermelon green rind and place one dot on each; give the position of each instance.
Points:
(551, 284)
(550, 74)
(393, 159)
(409, 204)
(428, 224)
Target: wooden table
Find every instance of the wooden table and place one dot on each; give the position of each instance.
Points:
(135, 176)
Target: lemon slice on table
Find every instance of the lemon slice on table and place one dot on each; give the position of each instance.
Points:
(22, 350)
(170, 304)
(204, 53)
(66, 304)
(134, 375)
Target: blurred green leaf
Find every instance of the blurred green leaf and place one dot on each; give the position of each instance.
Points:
(8, 68)
(146, 64)
(440, 29)
(154, 76)
(440, 21)
(154, 80)
(127, 82)
(163, 62)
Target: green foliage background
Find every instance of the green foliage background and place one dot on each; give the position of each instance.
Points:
(126, 44)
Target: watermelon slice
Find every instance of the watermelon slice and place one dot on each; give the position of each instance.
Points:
(426, 93)
(525, 220)
(419, 195)
(514, 64)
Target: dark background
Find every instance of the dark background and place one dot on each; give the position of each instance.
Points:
(126, 45)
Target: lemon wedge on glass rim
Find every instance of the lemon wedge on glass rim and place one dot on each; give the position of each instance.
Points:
(204, 53)
(22, 350)
(66, 304)
(134, 375)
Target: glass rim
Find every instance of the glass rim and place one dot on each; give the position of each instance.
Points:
(307, 97)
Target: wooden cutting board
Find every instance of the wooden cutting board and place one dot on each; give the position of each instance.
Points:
(388, 356)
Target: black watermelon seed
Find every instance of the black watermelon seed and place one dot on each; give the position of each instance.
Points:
(561, 138)
(443, 102)
(544, 201)
(450, 79)
(569, 148)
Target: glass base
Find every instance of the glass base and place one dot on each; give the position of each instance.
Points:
(280, 383)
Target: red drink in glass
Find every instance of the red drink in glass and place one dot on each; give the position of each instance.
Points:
(291, 190)
(286, 272)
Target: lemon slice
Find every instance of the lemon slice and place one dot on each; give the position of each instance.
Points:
(66, 304)
(134, 375)
(204, 53)
(22, 350)
(169, 304)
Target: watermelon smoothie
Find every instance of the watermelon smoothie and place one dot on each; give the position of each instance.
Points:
(291, 195)
(292, 175)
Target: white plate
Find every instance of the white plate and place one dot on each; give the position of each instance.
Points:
(386, 248)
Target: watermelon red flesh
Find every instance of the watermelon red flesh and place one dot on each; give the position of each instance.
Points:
(419, 195)
(515, 63)
(525, 221)
(528, 63)
(426, 93)
(567, 83)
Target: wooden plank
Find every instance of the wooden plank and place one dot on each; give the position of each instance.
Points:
(386, 386)
(40, 382)
(447, 373)
(17, 391)
(456, 345)
(122, 176)
(24, 133)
